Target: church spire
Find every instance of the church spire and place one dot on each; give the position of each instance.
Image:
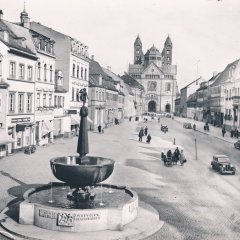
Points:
(168, 41)
(138, 41)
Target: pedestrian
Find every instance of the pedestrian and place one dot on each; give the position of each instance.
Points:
(140, 135)
(99, 128)
(146, 131)
(223, 131)
(169, 154)
(149, 138)
(176, 155)
(130, 118)
(182, 158)
(194, 126)
(158, 119)
(103, 130)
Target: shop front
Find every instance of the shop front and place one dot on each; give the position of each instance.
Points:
(44, 132)
(75, 122)
(21, 130)
(5, 143)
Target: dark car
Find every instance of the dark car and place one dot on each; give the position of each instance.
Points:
(187, 125)
(237, 144)
(164, 128)
(222, 164)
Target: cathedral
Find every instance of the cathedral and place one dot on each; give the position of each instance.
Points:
(155, 72)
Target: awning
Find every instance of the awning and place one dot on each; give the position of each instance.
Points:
(20, 127)
(4, 137)
(75, 119)
(46, 127)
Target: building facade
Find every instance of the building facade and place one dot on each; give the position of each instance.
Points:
(156, 73)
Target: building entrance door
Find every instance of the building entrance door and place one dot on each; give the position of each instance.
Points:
(152, 106)
(168, 108)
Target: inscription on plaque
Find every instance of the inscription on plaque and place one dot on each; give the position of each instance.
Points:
(65, 219)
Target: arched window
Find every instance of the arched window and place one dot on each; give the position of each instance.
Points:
(51, 74)
(45, 72)
(39, 71)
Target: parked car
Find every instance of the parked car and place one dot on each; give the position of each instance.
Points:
(168, 115)
(187, 125)
(237, 144)
(164, 127)
(222, 164)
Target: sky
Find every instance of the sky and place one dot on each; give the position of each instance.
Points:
(205, 33)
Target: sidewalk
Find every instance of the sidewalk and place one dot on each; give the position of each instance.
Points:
(214, 131)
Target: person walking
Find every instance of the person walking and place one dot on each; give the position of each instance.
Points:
(146, 131)
(182, 158)
(99, 128)
(223, 131)
(149, 138)
(140, 135)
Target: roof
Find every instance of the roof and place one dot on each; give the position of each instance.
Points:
(131, 81)
(224, 75)
(18, 35)
(138, 40)
(96, 69)
(152, 51)
(168, 41)
(192, 82)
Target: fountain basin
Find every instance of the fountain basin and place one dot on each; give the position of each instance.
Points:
(108, 217)
(81, 172)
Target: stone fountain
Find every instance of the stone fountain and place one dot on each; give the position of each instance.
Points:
(80, 203)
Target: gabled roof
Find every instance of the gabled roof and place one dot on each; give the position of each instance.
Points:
(17, 34)
(192, 82)
(149, 66)
(132, 82)
(224, 75)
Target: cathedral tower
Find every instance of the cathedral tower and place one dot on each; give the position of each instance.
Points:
(167, 52)
(138, 53)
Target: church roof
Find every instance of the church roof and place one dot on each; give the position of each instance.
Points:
(138, 40)
(168, 41)
(152, 51)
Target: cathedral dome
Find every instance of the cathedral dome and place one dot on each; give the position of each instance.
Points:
(153, 51)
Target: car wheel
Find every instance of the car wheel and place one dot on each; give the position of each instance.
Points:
(233, 173)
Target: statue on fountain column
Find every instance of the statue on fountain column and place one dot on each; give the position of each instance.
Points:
(82, 147)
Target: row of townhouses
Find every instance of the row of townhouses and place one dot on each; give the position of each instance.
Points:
(216, 101)
(41, 74)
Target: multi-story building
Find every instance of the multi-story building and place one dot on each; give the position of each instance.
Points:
(73, 62)
(138, 96)
(155, 72)
(18, 61)
(44, 83)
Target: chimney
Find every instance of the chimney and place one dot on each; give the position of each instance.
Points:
(1, 14)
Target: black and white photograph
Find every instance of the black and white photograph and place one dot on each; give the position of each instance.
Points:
(120, 119)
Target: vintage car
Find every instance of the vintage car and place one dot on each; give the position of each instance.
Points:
(237, 144)
(222, 164)
(187, 125)
(164, 128)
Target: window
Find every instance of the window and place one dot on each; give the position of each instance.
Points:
(39, 71)
(12, 72)
(20, 102)
(55, 101)
(77, 71)
(30, 73)
(167, 86)
(11, 102)
(29, 102)
(0, 66)
(77, 94)
(44, 99)
(38, 100)
(85, 74)
(168, 59)
(45, 72)
(81, 72)
(51, 74)
(46, 46)
(73, 70)
(63, 101)
(73, 94)
(168, 51)
(51, 48)
(96, 95)
(50, 100)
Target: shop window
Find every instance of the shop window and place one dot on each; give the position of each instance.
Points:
(18, 142)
